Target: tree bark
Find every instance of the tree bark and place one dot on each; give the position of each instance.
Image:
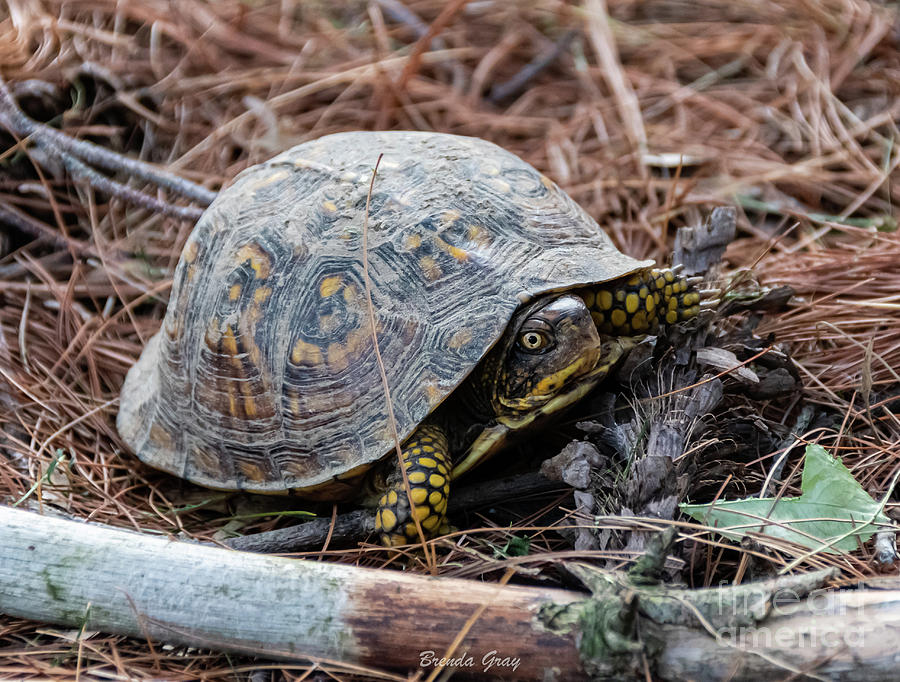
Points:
(116, 581)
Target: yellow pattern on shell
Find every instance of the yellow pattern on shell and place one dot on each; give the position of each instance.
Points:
(229, 342)
(337, 357)
(460, 339)
(500, 185)
(330, 286)
(431, 269)
(259, 261)
(307, 354)
(251, 471)
(275, 177)
(454, 251)
(232, 401)
(433, 393)
(191, 249)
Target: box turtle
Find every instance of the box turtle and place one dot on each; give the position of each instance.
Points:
(496, 299)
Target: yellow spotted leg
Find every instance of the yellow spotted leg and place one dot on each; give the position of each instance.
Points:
(427, 464)
(640, 303)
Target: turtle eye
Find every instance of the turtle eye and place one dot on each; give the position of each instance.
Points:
(534, 341)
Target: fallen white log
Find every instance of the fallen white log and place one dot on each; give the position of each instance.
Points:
(76, 574)
(116, 581)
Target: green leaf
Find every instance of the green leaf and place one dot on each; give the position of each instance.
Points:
(833, 512)
(516, 546)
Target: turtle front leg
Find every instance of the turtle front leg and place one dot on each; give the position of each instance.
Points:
(640, 303)
(426, 459)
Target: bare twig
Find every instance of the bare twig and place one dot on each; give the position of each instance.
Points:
(451, 9)
(519, 82)
(43, 233)
(353, 526)
(399, 12)
(84, 172)
(60, 145)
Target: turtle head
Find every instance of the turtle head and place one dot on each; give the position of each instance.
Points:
(549, 358)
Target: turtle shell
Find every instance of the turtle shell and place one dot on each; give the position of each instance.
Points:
(263, 376)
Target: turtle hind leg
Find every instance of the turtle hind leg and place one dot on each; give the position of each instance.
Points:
(426, 460)
(638, 304)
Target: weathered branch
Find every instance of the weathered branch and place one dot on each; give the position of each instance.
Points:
(12, 216)
(102, 183)
(522, 78)
(57, 143)
(76, 154)
(353, 526)
(309, 535)
(121, 582)
(117, 581)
